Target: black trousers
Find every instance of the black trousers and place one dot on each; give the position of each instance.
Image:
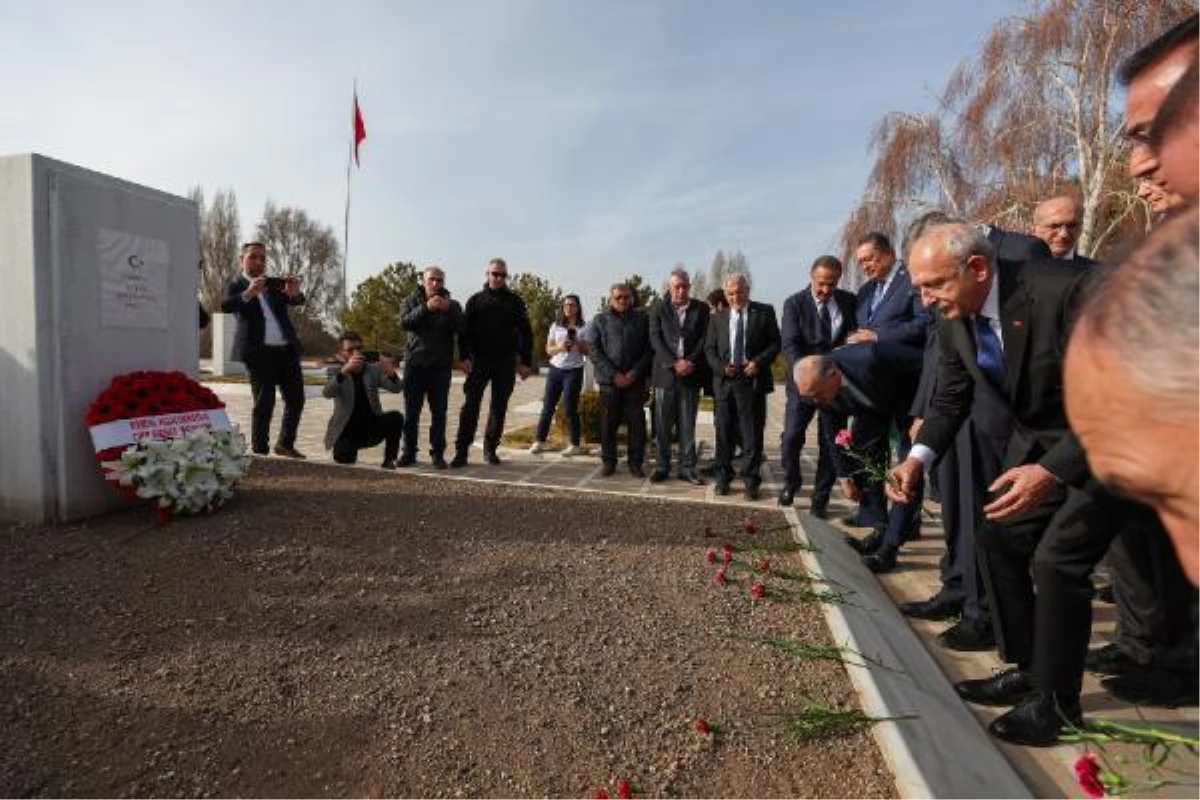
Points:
(1156, 604)
(272, 368)
(623, 405)
(798, 416)
(1055, 548)
(740, 410)
(422, 384)
(502, 378)
(387, 427)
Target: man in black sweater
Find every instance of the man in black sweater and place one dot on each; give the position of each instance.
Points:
(498, 337)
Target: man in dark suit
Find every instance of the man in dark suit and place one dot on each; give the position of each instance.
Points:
(815, 320)
(1056, 222)
(1003, 333)
(678, 326)
(741, 345)
(888, 309)
(266, 343)
(872, 382)
(964, 473)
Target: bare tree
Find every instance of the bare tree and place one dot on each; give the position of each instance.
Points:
(300, 246)
(723, 265)
(220, 237)
(1030, 116)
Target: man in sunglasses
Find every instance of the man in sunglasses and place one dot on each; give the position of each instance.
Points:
(498, 339)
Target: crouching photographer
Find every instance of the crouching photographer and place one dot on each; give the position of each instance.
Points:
(358, 419)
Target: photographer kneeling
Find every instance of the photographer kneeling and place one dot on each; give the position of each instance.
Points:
(358, 419)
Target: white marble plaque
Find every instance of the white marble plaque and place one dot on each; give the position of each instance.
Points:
(134, 278)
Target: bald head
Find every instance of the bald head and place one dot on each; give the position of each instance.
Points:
(817, 379)
(1056, 222)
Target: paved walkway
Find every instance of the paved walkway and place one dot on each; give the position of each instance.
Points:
(1045, 772)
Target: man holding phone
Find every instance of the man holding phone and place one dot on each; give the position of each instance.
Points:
(359, 420)
(267, 344)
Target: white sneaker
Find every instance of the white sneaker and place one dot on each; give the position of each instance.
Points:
(571, 450)
(536, 447)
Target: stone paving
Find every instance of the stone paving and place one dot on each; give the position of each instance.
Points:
(1045, 771)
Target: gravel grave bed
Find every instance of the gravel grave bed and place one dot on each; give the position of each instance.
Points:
(348, 632)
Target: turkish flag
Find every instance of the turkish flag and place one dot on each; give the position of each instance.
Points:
(360, 128)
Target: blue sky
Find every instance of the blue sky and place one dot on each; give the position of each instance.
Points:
(582, 140)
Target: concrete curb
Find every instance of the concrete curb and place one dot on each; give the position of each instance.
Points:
(942, 751)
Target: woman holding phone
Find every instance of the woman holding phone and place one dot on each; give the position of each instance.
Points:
(566, 344)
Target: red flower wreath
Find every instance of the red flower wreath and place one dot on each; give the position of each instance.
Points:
(146, 394)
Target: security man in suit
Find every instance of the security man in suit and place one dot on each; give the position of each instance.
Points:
(815, 320)
(741, 346)
(266, 343)
(1056, 222)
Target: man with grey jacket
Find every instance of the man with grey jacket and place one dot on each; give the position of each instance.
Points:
(621, 354)
(358, 419)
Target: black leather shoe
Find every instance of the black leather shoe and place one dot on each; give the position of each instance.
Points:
(262, 451)
(692, 478)
(968, 635)
(658, 476)
(608, 470)
(287, 451)
(882, 560)
(459, 461)
(1036, 721)
(1005, 688)
(406, 461)
(866, 545)
(1153, 687)
(751, 492)
(438, 462)
(636, 471)
(786, 495)
(388, 463)
(490, 457)
(820, 509)
(935, 608)
(1110, 659)
(722, 488)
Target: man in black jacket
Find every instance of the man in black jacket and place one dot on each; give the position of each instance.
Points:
(678, 324)
(621, 354)
(434, 323)
(267, 344)
(498, 338)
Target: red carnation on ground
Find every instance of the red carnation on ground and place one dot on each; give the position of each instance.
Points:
(1087, 775)
(711, 556)
(751, 528)
(700, 726)
(624, 790)
(764, 566)
(720, 578)
(758, 591)
(843, 438)
(601, 794)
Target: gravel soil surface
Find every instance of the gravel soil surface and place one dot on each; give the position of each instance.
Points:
(346, 632)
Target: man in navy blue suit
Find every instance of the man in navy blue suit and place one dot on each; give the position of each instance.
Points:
(888, 309)
(815, 320)
(267, 344)
(873, 382)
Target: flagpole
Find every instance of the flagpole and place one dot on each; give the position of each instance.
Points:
(346, 221)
